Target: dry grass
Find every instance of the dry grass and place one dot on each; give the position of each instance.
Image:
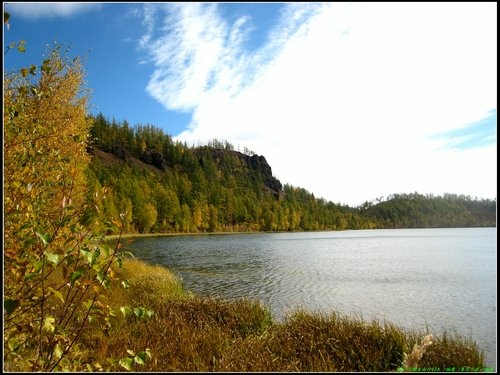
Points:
(411, 360)
(307, 342)
(188, 333)
(451, 351)
(149, 285)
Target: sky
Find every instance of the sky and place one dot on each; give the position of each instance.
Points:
(351, 101)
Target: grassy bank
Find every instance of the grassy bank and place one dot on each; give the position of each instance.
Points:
(188, 333)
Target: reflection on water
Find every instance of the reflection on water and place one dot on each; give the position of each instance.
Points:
(443, 278)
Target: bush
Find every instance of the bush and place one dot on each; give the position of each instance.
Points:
(55, 270)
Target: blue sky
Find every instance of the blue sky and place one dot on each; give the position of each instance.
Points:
(352, 101)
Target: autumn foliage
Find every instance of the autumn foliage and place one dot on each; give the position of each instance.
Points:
(55, 270)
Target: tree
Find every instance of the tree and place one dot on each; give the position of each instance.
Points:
(55, 270)
(146, 217)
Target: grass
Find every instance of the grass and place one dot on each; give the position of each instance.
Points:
(189, 333)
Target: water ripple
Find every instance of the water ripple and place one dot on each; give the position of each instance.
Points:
(443, 278)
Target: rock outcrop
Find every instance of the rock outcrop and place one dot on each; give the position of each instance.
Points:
(257, 165)
(155, 158)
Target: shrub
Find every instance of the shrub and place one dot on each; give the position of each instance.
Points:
(55, 269)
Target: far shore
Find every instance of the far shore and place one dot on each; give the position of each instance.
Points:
(114, 237)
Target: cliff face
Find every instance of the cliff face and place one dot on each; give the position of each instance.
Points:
(254, 166)
(257, 165)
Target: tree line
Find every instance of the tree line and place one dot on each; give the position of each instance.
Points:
(161, 185)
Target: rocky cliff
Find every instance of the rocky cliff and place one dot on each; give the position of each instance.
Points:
(257, 165)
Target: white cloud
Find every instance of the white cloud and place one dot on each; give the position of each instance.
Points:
(343, 97)
(49, 10)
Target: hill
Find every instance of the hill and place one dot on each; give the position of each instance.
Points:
(160, 185)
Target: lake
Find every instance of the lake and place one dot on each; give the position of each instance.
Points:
(443, 278)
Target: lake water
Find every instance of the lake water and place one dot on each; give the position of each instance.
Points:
(443, 278)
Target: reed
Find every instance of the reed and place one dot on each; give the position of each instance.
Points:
(190, 333)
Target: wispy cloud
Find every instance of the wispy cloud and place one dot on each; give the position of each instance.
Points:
(49, 10)
(478, 134)
(196, 55)
(342, 98)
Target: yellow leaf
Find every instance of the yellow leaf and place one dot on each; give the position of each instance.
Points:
(48, 324)
(58, 352)
(57, 293)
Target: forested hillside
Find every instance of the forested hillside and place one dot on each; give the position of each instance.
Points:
(165, 186)
(419, 211)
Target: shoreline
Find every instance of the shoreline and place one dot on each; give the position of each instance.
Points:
(129, 238)
(114, 237)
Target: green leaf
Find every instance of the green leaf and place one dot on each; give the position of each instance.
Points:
(37, 266)
(106, 249)
(44, 237)
(87, 254)
(13, 344)
(142, 357)
(45, 66)
(10, 305)
(30, 275)
(75, 276)
(142, 313)
(139, 360)
(25, 226)
(126, 363)
(102, 278)
(125, 311)
(95, 255)
(29, 242)
(58, 351)
(52, 258)
(21, 49)
(24, 71)
(91, 256)
(126, 252)
(139, 312)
